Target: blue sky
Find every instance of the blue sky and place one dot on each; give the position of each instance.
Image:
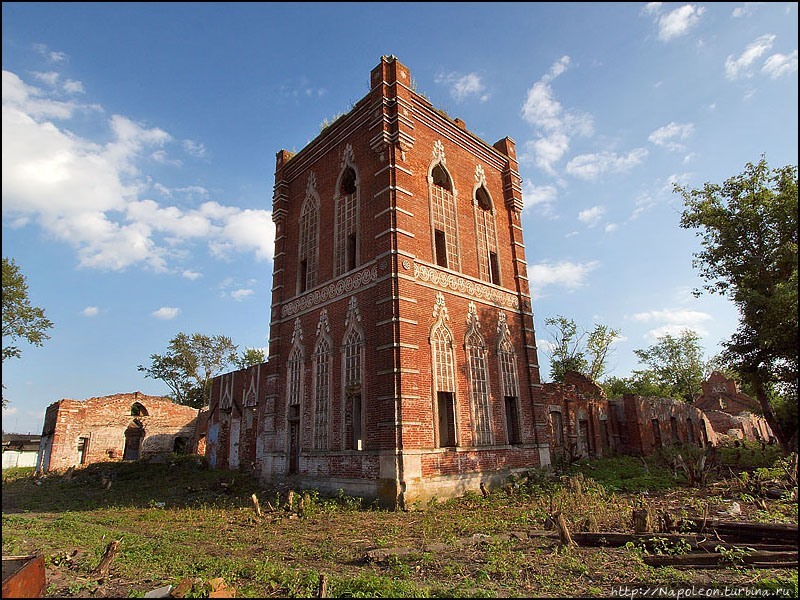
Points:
(139, 146)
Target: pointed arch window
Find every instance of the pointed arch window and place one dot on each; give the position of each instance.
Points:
(486, 236)
(441, 340)
(294, 370)
(347, 212)
(478, 378)
(352, 359)
(443, 213)
(322, 383)
(509, 379)
(309, 240)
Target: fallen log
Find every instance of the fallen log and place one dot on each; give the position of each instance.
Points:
(720, 560)
(108, 556)
(783, 533)
(695, 541)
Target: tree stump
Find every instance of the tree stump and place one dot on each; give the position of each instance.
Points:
(642, 522)
(564, 536)
(108, 556)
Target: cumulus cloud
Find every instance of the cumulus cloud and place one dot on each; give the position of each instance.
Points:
(94, 195)
(675, 23)
(671, 135)
(566, 274)
(746, 10)
(780, 65)
(241, 294)
(90, 311)
(591, 166)
(191, 275)
(541, 198)
(166, 313)
(463, 87)
(741, 66)
(673, 322)
(555, 125)
(592, 216)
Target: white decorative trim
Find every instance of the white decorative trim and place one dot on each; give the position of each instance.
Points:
(465, 286)
(311, 186)
(333, 290)
(347, 157)
(353, 315)
(438, 152)
(439, 309)
(297, 334)
(480, 176)
(323, 327)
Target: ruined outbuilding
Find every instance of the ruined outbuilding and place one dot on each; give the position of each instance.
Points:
(117, 427)
(731, 412)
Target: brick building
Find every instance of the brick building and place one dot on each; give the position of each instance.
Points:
(116, 427)
(402, 355)
(731, 412)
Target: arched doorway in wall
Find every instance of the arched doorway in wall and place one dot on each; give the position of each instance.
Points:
(134, 435)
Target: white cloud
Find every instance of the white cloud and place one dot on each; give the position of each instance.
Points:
(666, 136)
(565, 274)
(191, 275)
(195, 149)
(463, 87)
(555, 125)
(675, 23)
(542, 198)
(90, 194)
(591, 166)
(55, 57)
(240, 295)
(673, 322)
(741, 66)
(779, 65)
(611, 228)
(90, 311)
(746, 10)
(591, 216)
(166, 313)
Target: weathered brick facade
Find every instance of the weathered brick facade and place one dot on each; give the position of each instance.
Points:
(117, 427)
(402, 355)
(731, 412)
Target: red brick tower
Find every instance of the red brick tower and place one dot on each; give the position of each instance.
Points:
(402, 356)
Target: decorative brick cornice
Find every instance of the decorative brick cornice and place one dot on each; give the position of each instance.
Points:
(465, 286)
(333, 290)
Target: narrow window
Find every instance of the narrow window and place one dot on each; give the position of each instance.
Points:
(447, 421)
(557, 425)
(441, 249)
(656, 432)
(604, 432)
(346, 243)
(307, 250)
(302, 276)
(179, 445)
(689, 431)
(673, 424)
(494, 268)
(512, 420)
(321, 393)
(358, 442)
(83, 447)
(443, 214)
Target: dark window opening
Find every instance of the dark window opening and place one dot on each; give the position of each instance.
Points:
(512, 420)
(351, 252)
(440, 178)
(494, 268)
(180, 445)
(447, 421)
(137, 410)
(83, 446)
(358, 441)
(558, 429)
(483, 199)
(441, 248)
(301, 284)
(689, 431)
(656, 432)
(348, 182)
(673, 424)
(604, 435)
(586, 437)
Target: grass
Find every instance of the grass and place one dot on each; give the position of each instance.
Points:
(179, 521)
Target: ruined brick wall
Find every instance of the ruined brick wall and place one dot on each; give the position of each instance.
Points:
(743, 426)
(94, 430)
(722, 393)
(652, 423)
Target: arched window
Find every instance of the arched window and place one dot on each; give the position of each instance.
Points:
(443, 375)
(309, 240)
(347, 246)
(294, 370)
(478, 378)
(486, 236)
(352, 359)
(138, 410)
(322, 382)
(509, 379)
(443, 213)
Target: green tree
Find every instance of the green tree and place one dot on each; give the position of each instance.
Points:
(21, 320)
(189, 364)
(251, 357)
(675, 365)
(748, 232)
(586, 352)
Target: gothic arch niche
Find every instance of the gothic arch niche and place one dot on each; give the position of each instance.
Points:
(352, 378)
(294, 396)
(134, 434)
(347, 220)
(478, 370)
(443, 213)
(308, 238)
(444, 385)
(485, 230)
(321, 360)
